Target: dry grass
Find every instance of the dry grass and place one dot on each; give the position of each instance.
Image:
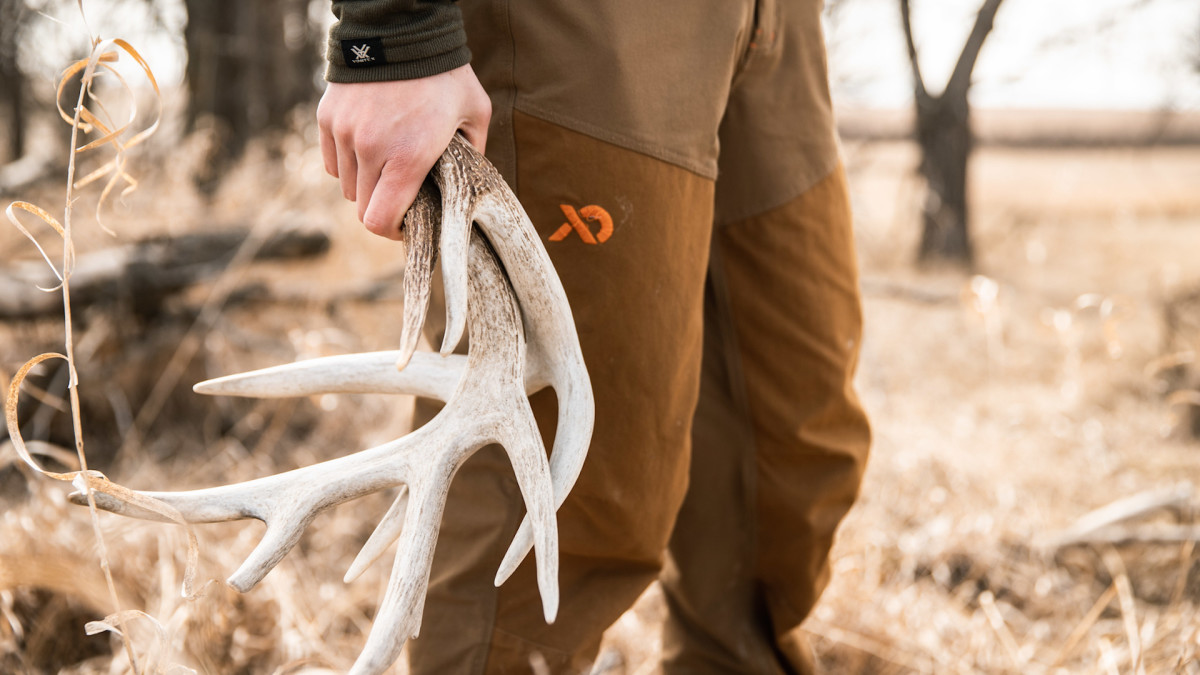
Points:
(1002, 421)
(1005, 409)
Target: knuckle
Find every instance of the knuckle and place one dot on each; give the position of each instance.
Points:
(400, 151)
(343, 133)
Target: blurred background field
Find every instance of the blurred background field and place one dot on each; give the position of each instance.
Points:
(1029, 507)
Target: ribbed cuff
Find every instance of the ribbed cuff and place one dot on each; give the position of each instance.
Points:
(405, 70)
(378, 40)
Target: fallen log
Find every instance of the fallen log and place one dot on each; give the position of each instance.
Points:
(19, 175)
(146, 272)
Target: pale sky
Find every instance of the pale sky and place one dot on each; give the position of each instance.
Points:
(1139, 54)
(1041, 54)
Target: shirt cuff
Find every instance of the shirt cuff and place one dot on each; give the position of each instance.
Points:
(379, 40)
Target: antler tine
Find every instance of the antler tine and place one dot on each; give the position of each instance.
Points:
(387, 531)
(287, 502)
(426, 374)
(422, 228)
(399, 614)
(522, 440)
(460, 174)
(474, 192)
(500, 415)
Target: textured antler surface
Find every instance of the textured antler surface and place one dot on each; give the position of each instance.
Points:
(474, 192)
(485, 393)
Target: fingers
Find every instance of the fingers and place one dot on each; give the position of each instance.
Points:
(337, 153)
(328, 150)
(380, 139)
(476, 135)
(382, 205)
(368, 173)
(474, 124)
(347, 170)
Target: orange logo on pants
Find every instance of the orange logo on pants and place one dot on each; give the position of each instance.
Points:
(592, 213)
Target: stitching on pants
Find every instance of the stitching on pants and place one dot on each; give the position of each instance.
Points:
(803, 184)
(703, 168)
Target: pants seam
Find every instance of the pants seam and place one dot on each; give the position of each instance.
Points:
(511, 524)
(761, 662)
(502, 110)
(802, 186)
(704, 169)
(724, 321)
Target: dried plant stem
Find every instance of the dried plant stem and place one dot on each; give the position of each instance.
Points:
(987, 601)
(210, 311)
(102, 55)
(1090, 528)
(1116, 569)
(1085, 625)
(73, 385)
(884, 652)
(1185, 560)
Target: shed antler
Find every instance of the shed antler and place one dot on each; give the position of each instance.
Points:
(522, 338)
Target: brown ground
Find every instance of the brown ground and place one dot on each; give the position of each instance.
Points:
(1006, 406)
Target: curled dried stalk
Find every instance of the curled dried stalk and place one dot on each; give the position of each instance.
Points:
(83, 119)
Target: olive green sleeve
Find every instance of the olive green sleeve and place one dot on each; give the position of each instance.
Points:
(377, 40)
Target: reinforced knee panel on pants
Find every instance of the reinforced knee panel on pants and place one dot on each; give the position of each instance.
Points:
(779, 440)
(799, 350)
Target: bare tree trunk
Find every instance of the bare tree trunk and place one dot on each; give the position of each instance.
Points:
(249, 65)
(13, 83)
(944, 135)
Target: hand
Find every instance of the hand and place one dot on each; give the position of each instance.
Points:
(382, 138)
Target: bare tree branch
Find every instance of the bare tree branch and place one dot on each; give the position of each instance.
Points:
(960, 80)
(918, 81)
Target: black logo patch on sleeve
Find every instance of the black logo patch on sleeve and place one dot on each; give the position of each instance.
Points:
(363, 52)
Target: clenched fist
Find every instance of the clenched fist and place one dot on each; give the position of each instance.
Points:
(382, 138)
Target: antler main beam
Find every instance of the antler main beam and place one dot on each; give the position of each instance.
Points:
(486, 400)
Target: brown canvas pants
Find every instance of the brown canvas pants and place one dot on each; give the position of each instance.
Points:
(679, 161)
